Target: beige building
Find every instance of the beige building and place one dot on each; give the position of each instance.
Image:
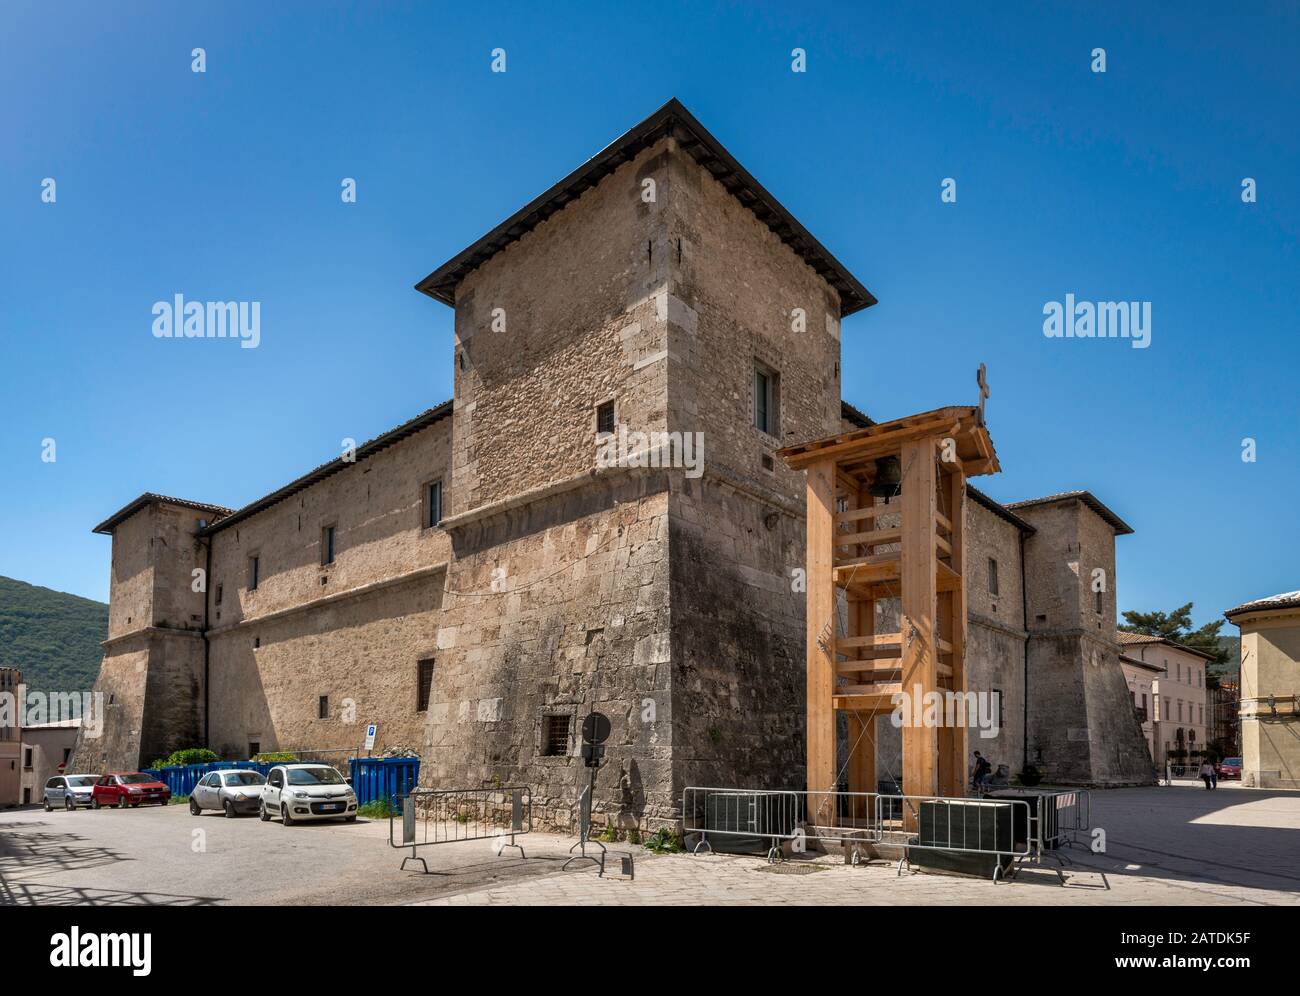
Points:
(11, 738)
(1270, 690)
(1180, 701)
(1141, 677)
(478, 578)
(47, 749)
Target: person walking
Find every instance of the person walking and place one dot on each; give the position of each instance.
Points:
(1207, 774)
(980, 775)
(1214, 774)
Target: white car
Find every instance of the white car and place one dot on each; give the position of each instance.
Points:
(68, 791)
(299, 792)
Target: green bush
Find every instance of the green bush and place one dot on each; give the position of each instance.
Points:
(190, 755)
(276, 757)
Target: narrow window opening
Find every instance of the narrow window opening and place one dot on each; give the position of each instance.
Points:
(555, 735)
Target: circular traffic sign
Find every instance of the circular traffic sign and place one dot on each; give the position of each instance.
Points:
(595, 728)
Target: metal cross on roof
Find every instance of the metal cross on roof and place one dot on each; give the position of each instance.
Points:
(982, 381)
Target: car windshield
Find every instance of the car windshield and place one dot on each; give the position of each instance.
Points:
(244, 778)
(81, 781)
(314, 776)
(135, 778)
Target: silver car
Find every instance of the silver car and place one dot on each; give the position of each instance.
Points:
(68, 791)
(233, 792)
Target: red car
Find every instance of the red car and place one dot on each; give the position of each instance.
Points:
(1230, 767)
(128, 788)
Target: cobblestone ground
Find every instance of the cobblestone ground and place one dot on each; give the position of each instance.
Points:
(1165, 846)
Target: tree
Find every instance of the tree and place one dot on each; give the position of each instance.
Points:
(1176, 627)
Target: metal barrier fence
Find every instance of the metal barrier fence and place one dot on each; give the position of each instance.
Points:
(448, 816)
(1006, 827)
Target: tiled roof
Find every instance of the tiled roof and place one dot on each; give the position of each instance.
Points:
(672, 119)
(1126, 639)
(1121, 527)
(1286, 600)
(1130, 638)
(149, 498)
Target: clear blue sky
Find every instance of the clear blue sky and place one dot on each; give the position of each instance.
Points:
(225, 185)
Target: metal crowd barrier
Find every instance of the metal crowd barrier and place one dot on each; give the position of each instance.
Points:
(742, 814)
(1005, 828)
(448, 816)
(1001, 829)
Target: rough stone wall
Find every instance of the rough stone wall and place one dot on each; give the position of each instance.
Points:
(353, 630)
(571, 315)
(376, 507)
(737, 534)
(555, 609)
(995, 633)
(1082, 728)
(150, 677)
(558, 589)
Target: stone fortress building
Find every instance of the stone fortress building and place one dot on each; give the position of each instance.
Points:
(475, 580)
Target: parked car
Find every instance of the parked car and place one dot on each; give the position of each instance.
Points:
(128, 788)
(297, 792)
(233, 791)
(68, 791)
(1230, 767)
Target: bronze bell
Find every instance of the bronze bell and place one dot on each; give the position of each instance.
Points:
(889, 478)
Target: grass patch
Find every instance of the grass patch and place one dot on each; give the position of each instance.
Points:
(378, 809)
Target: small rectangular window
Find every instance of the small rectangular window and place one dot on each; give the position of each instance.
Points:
(1100, 593)
(323, 708)
(424, 685)
(254, 748)
(993, 576)
(27, 758)
(327, 546)
(605, 417)
(253, 566)
(219, 593)
(555, 735)
(767, 396)
(432, 504)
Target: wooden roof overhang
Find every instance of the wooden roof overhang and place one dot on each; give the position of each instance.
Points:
(855, 453)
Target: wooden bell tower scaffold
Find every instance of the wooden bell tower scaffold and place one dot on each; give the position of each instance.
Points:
(886, 516)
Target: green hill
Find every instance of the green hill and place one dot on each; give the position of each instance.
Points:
(53, 637)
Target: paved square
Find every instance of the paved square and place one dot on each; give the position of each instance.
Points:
(1165, 846)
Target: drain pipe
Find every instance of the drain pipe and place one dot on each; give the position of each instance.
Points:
(1024, 613)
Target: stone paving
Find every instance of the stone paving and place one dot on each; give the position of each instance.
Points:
(1172, 846)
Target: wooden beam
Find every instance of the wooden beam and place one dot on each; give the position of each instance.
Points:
(862, 450)
(870, 640)
(820, 627)
(870, 512)
(953, 744)
(872, 537)
(919, 587)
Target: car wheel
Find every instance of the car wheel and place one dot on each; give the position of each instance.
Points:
(352, 819)
(194, 808)
(46, 800)
(229, 807)
(285, 817)
(69, 805)
(94, 802)
(121, 802)
(262, 814)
